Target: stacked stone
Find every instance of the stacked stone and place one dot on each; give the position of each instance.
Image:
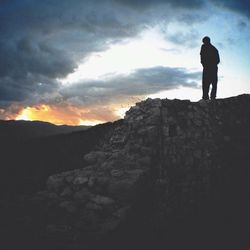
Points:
(168, 142)
(193, 136)
(188, 146)
(97, 198)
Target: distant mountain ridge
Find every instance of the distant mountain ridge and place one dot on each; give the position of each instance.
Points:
(30, 129)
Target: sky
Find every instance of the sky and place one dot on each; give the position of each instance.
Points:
(84, 62)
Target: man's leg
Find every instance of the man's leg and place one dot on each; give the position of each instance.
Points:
(214, 84)
(205, 84)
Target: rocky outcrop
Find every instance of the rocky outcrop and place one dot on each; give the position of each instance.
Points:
(173, 147)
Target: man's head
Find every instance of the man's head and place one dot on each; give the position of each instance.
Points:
(206, 40)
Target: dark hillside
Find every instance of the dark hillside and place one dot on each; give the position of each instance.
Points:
(24, 130)
(28, 163)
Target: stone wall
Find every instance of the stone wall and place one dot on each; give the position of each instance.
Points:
(193, 138)
(172, 147)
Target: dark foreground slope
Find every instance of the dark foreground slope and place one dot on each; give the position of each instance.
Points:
(172, 175)
(27, 158)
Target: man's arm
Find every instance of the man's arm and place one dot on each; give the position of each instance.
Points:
(202, 54)
(218, 56)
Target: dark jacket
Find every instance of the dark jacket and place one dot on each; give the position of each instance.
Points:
(209, 56)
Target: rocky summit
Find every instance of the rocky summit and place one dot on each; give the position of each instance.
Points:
(165, 160)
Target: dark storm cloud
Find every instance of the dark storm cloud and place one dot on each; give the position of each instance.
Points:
(240, 6)
(27, 56)
(44, 40)
(191, 18)
(27, 89)
(141, 82)
(41, 41)
(149, 3)
(188, 39)
(242, 25)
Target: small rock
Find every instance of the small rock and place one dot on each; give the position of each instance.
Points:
(103, 200)
(117, 173)
(94, 156)
(107, 164)
(117, 139)
(79, 180)
(150, 131)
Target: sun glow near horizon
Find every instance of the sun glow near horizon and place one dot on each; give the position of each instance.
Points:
(30, 113)
(55, 115)
(69, 115)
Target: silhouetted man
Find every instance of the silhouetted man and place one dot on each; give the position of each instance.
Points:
(209, 60)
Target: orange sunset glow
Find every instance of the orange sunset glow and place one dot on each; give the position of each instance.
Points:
(69, 115)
